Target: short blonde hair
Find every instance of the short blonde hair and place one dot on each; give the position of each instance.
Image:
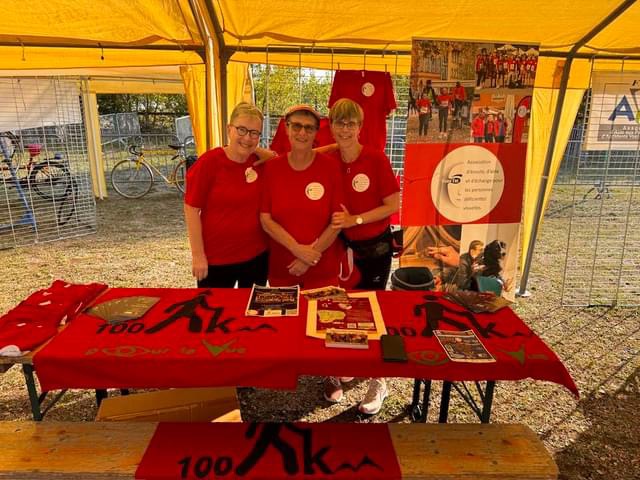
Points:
(346, 109)
(244, 108)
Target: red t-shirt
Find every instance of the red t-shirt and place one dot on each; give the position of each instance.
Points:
(477, 127)
(228, 196)
(280, 142)
(302, 203)
(367, 180)
(424, 104)
(444, 101)
(490, 127)
(373, 91)
(459, 93)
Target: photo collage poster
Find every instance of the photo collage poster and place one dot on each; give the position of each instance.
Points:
(467, 128)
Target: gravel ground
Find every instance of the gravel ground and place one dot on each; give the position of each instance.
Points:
(142, 243)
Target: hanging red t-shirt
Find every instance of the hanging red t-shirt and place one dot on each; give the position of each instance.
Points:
(373, 91)
(280, 142)
(367, 180)
(302, 203)
(228, 196)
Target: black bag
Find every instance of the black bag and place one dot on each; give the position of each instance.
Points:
(371, 248)
(191, 159)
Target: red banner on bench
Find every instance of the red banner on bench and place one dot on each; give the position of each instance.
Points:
(270, 451)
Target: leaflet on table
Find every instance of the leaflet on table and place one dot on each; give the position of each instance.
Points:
(477, 302)
(273, 301)
(123, 309)
(360, 311)
(463, 346)
(346, 339)
(322, 293)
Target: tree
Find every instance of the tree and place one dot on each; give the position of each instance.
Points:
(278, 88)
(156, 112)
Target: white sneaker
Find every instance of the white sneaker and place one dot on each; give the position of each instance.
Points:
(346, 379)
(373, 399)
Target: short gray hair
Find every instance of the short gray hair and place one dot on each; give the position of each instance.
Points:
(245, 108)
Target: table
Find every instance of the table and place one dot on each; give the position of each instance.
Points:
(201, 338)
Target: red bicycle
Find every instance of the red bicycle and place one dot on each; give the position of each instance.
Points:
(49, 178)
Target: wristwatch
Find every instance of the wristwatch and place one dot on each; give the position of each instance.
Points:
(359, 220)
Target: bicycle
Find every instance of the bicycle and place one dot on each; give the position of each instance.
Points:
(133, 177)
(49, 178)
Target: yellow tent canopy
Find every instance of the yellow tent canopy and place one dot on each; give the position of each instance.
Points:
(205, 40)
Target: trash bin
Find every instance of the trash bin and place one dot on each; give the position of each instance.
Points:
(412, 278)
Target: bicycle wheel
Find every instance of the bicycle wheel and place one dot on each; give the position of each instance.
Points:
(180, 175)
(131, 179)
(50, 180)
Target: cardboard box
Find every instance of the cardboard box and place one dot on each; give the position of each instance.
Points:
(175, 405)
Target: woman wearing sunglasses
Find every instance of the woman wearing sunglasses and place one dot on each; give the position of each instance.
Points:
(371, 196)
(221, 207)
(302, 189)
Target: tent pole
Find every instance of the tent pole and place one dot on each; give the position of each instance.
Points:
(225, 55)
(554, 134)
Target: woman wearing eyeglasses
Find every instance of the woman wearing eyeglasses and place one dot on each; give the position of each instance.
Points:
(371, 196)
(302, 190)
(221, 207)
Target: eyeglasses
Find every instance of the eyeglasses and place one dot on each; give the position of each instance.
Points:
(242, 131)
(347, 125)
(296, 127)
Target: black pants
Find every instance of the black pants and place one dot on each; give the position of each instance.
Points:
(443, 115)
(374, 272)
(424, 123)
(245, 273)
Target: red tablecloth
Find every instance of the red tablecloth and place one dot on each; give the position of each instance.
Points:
(214, 344)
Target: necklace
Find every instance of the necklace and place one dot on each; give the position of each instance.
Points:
(348, 161)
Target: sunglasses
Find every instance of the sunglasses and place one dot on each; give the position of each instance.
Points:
(242, 131)
(296, 127)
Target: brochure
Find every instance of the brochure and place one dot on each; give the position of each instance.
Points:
(346, 339)
(478, 302)
(360, 311)
(273, 301)
(335, 293)
(123, 309)
(463, 346)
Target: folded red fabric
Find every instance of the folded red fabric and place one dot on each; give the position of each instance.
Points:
(36, 319)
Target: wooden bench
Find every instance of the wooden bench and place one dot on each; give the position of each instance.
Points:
(91, 451)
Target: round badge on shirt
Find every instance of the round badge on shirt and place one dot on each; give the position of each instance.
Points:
(314, 191)
(368, 89)
(250, 175)
(360, 183)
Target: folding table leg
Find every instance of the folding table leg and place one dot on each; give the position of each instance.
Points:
(444, 402)
(488, 401)
(417, 409)
(34, 399)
